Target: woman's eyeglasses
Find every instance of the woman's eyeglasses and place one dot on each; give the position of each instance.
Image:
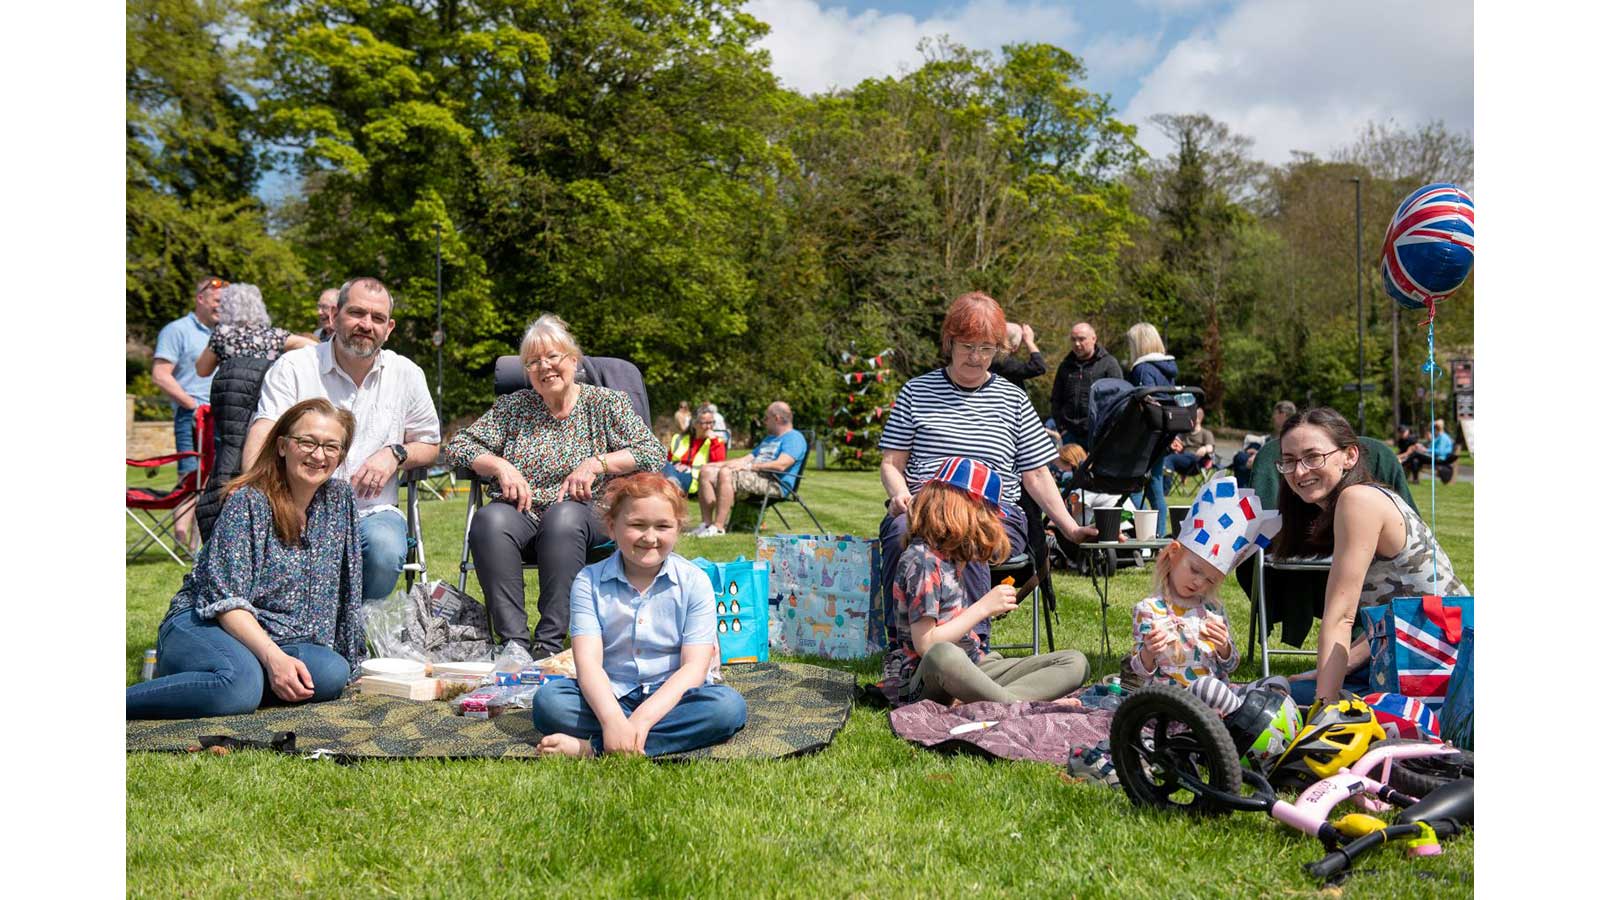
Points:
(310, 445)
(981, 350)
(550, 360)
(1312, 462)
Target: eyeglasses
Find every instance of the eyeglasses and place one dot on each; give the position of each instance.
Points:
(977, 349)
(1312, 462)
(213, 283)
(310, 445)
(550, 360)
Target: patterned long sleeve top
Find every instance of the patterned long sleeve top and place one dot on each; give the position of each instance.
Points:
(520, 429)
(308, 593)
(1187, 657)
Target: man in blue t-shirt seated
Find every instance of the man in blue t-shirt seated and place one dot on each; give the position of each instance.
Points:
(1438, 450)
(783, 450)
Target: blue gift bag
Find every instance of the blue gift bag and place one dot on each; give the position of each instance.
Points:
(741, 596)
(1415, 643)
(1455, 721)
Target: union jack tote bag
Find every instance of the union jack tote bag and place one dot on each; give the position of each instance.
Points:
(1415, 642)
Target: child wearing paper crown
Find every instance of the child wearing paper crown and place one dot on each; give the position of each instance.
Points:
(954, 520)
(643, 638)
(1180, 632)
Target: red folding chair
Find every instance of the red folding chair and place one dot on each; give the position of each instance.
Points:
(156, 511)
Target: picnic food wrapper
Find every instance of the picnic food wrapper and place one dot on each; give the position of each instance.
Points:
(829, 601)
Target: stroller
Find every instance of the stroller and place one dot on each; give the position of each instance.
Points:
(1132, 428)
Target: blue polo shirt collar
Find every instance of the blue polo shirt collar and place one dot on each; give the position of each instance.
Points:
(611, 570)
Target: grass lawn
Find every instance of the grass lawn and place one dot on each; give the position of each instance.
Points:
(869, 816)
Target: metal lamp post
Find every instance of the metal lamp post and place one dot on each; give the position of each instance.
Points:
(1361, 344)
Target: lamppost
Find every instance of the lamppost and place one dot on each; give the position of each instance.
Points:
(438, 328)
(1361, 331)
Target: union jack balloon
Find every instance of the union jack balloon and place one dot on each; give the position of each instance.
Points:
(1428, 249)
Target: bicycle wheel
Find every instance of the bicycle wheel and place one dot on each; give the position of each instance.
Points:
(1162, 731)
(1418, 776)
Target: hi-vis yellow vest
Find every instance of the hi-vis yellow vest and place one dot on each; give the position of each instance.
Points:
(680, 446)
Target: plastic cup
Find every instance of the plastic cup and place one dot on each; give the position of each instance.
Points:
(1144, 524)
(1108, 519)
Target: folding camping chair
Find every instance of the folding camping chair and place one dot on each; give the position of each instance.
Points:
(790, 496)
(509, 376)
(1025, 566)
(416, 564)
(156, 511)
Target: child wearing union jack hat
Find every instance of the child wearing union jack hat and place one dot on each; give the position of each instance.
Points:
(1180, 632)
(954, 520)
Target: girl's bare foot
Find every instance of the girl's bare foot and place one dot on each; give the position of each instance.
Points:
(564, 745)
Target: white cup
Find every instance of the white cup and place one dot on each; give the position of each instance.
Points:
(1144, 524)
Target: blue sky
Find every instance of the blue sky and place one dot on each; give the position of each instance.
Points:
(1290, 74)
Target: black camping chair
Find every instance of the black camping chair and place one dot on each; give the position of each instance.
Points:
(792, 496)
(509, 376)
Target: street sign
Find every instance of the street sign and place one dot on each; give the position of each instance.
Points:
(1352, 386)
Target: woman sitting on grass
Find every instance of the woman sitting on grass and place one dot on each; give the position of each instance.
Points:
(955, 520)
(272, 610)
(644, 636)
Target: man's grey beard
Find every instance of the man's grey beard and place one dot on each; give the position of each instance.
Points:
(358, 354)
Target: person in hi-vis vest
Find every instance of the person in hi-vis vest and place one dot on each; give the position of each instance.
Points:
(693, 448)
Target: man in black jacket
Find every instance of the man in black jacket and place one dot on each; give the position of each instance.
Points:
(1069, 398)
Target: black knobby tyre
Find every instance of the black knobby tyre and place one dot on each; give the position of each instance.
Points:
(1419, 776)
(1161, 730)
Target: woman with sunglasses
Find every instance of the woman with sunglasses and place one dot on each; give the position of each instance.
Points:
(271, 612)
(1381, 548)
(547, 451)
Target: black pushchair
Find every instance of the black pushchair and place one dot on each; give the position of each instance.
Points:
(1132, 428)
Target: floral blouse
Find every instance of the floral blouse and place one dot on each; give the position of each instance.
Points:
(1186, 657)
(520, 429)
(261, 342)
(309, 593)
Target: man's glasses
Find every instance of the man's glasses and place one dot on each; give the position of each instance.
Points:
(977, 349)
(310, 445)
(1312, 462)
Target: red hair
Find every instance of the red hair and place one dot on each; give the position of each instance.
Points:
(956, 525)
(638, 486)
(973, 317)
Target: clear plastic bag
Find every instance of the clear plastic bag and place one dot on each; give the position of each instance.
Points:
(435, 622)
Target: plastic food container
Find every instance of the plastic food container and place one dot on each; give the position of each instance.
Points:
(391, 667)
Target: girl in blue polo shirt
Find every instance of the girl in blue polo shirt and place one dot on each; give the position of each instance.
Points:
(644, 638)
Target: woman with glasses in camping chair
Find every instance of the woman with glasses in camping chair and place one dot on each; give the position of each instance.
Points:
(963, 409)
(548, 451)
(271, 611)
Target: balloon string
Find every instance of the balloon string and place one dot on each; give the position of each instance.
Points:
(1433, 463)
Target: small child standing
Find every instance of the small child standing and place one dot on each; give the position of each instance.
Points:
(1180, 632)
(954, 520)
(643, 639)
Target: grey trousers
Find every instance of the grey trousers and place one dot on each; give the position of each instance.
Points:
(946, 673)
(503, 538)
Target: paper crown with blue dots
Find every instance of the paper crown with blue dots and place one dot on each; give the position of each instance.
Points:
(1226, 523)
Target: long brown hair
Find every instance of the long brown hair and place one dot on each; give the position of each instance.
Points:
(956, 525)
(270, 472)
(1308, 528)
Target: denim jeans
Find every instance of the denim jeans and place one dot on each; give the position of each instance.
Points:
(1357, 682)
(684, 479)
(202, 670)
(383, 553)
(1182, 463)
(183, 439)
(704, 716)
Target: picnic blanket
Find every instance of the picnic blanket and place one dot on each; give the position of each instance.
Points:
(1036, 731)
(794, 708)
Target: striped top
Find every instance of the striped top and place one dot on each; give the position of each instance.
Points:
(934, 418)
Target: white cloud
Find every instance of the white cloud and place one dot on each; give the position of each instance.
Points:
(1115, 56)
(1307, 75)
(815, 48)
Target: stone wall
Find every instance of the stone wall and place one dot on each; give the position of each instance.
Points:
(147, 439)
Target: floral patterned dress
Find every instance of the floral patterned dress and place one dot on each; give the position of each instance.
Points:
(260, 342)
(1187, 657)
(520, 429)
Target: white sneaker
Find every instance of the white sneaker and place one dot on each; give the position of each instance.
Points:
(699, 531)
(711, 531)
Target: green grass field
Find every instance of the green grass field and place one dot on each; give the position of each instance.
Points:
(869, 816)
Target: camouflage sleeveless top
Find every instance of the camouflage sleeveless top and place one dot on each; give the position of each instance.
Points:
(1409, 573)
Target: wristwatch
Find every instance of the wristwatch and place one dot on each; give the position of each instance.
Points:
(399, 451)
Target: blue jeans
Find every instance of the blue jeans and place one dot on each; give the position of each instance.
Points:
(704, 716)
(383, 553)
(684, 479)
(1357, 682)
(1182, 463)
(183, 439)
(202, 670)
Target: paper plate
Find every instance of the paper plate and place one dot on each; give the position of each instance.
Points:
(391, 667)
(473, 669)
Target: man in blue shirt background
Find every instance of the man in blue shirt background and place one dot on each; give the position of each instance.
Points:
(177, 347)
(782, 450)
(1437, 450)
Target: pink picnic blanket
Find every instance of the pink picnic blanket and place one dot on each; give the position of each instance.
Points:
(1037, 731)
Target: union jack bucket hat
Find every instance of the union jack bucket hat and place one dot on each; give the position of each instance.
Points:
(971, 476)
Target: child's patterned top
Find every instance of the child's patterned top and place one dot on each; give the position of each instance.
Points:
(925, 585)
(1187, 657)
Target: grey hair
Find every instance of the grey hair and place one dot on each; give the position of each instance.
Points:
(548, 330)
(240, 304)
(369, 283)
(1285, 408)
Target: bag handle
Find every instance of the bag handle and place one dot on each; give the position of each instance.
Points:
(1448, 618)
